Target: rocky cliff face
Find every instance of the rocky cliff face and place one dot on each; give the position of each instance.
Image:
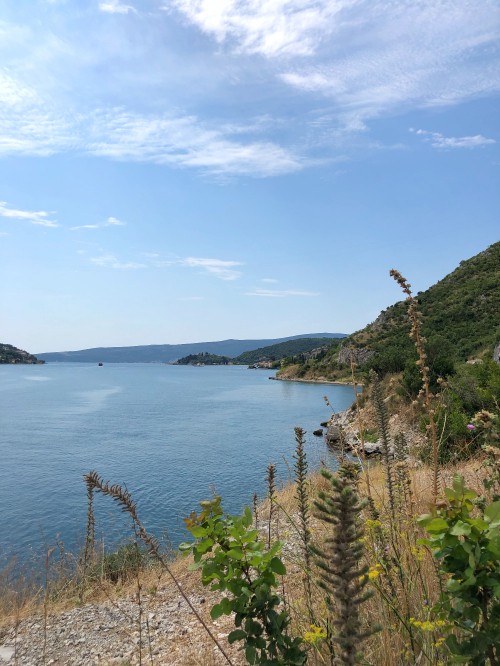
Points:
(359, 356)
(496, 353)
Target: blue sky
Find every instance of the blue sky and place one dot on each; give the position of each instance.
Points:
(185, 170)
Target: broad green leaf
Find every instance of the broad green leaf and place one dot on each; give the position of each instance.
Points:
(425, 519)
(198, 531)
(236, 635)
(450, 494)
(436, 526)
(458, 483)
(460, 529)
(494, 546)
(251, 654)
(277, 566)
(204, 546)
(216, 611)
(184, 546)
(226, 606)
(248, 518)
(492, 512)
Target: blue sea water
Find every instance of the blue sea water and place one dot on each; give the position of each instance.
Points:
(172, 434)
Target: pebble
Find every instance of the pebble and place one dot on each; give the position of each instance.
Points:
(103, 634)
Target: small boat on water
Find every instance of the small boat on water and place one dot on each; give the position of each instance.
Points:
(100, 364)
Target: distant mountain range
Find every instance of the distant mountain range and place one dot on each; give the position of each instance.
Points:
(169, 353)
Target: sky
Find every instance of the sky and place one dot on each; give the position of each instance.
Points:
(187, 170)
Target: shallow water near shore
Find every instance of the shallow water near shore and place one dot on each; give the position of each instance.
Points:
(172, 434)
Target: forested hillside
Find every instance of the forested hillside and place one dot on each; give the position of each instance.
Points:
(11, 354)
(285, 349)
(460, 320)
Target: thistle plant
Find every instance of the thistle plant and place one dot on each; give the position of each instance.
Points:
(89, 534)
(271, 494)
(302, 496)
(425, 393)
(402, 474)
(341, 575)
(255, 508)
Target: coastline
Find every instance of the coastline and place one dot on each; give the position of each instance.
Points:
(313, 381)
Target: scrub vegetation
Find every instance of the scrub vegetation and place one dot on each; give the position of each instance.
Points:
(394, 562)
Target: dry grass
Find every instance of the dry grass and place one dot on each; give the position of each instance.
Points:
(413, 591)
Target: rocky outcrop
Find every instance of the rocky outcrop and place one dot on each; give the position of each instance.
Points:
(496, 353)
(359, 356)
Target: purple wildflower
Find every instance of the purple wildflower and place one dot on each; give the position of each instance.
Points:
(471, 426)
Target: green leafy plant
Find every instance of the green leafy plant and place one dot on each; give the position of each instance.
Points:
(233, 560)
(466, 540)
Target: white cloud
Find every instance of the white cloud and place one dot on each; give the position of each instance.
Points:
(218, 267)
(115, 7)
(389, 57)
(110, 261)
(267, 27)
(285, 293)
(40, 217)
(13, 93)
(438, 140)
(185, 142)
(269, 280)
(110, 222)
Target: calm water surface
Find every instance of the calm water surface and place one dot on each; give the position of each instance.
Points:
(172, 434)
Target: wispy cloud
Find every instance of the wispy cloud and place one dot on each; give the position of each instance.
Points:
(185, 142)
(284, 293)
(29, 126)
(110, 261)
(269, 280)
(225, 270)
(40, 218)
(388, 57)
(438, 140)
(110, 222)
(277, 28)
(116, 7)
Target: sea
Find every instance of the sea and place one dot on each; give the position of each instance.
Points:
(172, 435)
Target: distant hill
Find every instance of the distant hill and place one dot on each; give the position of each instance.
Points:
(282, 350)
(460, 320)
(169, 353)
(13, 355)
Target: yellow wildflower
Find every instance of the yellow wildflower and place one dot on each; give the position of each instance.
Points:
(372, 524)
(375, 571)
(315, 634)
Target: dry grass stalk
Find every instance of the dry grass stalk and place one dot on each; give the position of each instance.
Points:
(425, 393)
(124, 500)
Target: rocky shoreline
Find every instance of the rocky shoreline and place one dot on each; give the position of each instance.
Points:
(313, 381)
